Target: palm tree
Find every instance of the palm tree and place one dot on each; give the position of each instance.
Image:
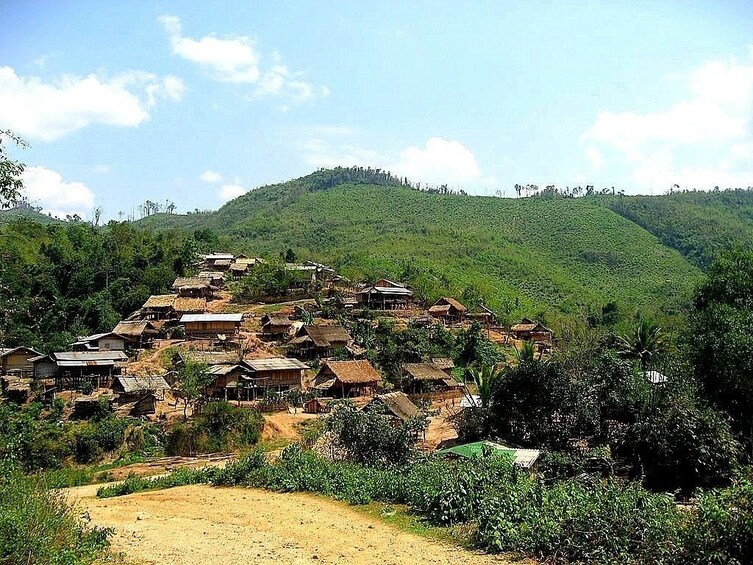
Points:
(485, 378)
(644, 343)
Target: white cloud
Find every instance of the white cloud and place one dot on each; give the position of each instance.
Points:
(704, 140)
(229, 60)
(46, 188)
(439, 161)
(230, 191)
(210, 177)
(237, 60)
(48, 111)
(101, 169)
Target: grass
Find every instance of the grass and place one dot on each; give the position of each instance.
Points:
(399, 516)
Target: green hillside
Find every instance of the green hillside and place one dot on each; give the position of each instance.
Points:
(698, 224)
(559, 256)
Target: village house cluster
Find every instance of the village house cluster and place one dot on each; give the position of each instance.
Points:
(251, 355)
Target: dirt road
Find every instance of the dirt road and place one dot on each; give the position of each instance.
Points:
(206, 525)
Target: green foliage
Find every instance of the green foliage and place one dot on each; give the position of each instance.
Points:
(576, 522)
(719, 341)
(219, 426)
(38, 527)
(722, 531)
(539, 404)
(370, 438)
(10, 171)
(644, 343)
(193, 379)
(682, 444)
(65, 280)
(38, 440)
(700, 225)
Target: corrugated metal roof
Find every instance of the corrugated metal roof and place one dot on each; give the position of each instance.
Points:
(133, 383)
(277, 364)
(211, 318)
(522, 457)
(89, 356)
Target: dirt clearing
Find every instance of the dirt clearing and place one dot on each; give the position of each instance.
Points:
(200, 524)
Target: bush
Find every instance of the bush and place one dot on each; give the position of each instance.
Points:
(577, 522)
(38, 527)
(219, 427)
(370, 438)
(722, 531)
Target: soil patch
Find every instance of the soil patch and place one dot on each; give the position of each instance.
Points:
(203, 524)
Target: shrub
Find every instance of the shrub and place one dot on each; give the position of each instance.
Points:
(38, 527)
(722, 531)
(219, 427)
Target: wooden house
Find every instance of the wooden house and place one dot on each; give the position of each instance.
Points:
(215, 278)
(194, 287)
(395, 405)
(138, 333)
(17, 360)
(275, 326)
(530, 330)
(198, 325)
(319, 341)
(427, 377)
(109, 341)
(344, 379)
(228, 381)
(385, 295)
(159, 307)
(74, 370)
(449, 310)
(318, 405)
(278, 374)
(482, 314)
(217, 261)
(137, 395)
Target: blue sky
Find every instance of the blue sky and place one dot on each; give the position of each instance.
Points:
(197, 102)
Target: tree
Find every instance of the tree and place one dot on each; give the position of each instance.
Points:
(193, 378)
(10, 171)
(719, 342)
(644, 343)
(486, 379)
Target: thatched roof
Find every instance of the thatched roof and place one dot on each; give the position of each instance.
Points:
(350, 372)
(397, 403)
(526, 325)
(443, 363)
(446, 302)
(160, 301)
(424, 371)
(192, 305)
(326, 336)
(135, 328)
(191, 283)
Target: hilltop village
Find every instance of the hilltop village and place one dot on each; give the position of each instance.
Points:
(299, 354)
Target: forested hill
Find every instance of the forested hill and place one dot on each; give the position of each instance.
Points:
(556, 255)
(698, 224)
